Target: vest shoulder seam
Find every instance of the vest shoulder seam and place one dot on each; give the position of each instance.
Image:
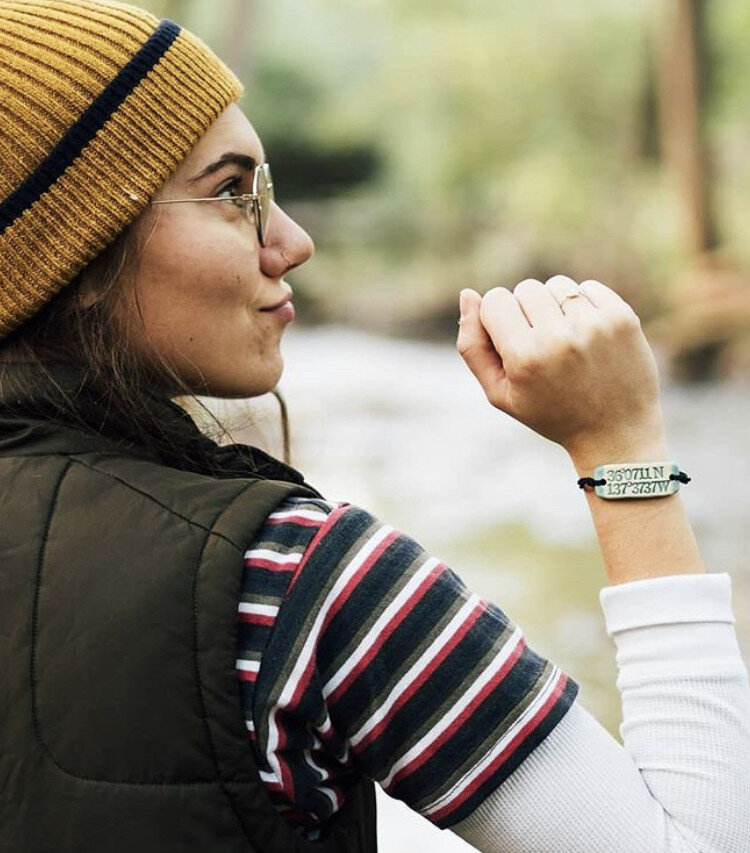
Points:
(169, 509)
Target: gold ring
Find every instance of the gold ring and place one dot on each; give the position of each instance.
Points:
(570, 296)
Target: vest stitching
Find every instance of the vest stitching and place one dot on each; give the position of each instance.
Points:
(204, 716)
(34, 630)
(199, 680)
(35, 617)
(163, 505)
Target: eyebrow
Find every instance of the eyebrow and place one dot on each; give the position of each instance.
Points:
(231, 157)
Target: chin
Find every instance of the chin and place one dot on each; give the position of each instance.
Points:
(250, 384)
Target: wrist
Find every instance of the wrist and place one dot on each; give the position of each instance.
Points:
(586, 458)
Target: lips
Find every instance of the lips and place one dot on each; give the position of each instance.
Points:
(286, 299)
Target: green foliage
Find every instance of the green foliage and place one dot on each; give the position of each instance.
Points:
(445, 143)
(306, 164)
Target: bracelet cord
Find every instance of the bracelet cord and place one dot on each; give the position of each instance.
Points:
(682, 477)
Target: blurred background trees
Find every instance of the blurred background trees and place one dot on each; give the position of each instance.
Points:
(430, 145)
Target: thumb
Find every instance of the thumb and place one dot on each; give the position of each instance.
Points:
(477, 350)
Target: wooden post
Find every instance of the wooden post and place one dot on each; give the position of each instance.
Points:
(683, 71)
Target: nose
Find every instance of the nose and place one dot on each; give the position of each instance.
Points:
(288, 245)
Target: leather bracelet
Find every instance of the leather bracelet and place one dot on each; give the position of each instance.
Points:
(619, 480)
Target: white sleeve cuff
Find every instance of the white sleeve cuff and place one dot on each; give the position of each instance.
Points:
(667, 600)
(673, 628)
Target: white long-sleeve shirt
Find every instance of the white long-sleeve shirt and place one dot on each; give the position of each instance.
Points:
(680, 780)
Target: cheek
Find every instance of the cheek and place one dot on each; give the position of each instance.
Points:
(198, 271)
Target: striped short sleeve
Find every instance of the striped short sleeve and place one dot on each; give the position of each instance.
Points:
(363, 653)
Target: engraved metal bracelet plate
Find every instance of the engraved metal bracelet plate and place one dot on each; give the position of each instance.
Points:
(636, 480)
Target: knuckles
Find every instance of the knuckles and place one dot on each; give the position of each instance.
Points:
(603, 327)
(557, 347)
(564, 342)
(616, 324)
(567, 344)
(627, 321)
(560, 282)
(526, 366)
(528, 284)
(495, 295)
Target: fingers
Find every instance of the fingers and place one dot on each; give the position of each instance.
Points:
(503, 317)
(477, 348)
(561, 287)
(538, 302)
(611, 305)
(473, 342)
(605, 298)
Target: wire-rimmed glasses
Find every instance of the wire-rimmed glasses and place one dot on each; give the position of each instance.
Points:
(256, 205)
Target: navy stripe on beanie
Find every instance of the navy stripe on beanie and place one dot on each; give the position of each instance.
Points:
(88, 125)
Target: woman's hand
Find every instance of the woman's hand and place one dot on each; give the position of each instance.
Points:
(581, 374)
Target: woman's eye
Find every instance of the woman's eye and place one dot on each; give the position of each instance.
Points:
(232, 185)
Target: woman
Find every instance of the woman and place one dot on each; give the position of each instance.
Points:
(199, 651)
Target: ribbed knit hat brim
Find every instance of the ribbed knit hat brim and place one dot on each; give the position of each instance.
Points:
(98, 101)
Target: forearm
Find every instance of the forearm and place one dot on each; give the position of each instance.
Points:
(680, 783)
(643, 537)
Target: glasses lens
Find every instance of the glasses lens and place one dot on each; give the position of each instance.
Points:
(265, 198)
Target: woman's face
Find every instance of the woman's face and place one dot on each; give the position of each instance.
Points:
(204, 278)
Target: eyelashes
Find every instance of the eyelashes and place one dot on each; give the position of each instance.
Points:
(229, 185)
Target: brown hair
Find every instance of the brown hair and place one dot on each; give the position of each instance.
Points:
(93, 322)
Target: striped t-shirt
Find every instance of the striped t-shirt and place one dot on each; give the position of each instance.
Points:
(360, 653)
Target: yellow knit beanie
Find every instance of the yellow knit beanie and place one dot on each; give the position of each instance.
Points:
(96, 98)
